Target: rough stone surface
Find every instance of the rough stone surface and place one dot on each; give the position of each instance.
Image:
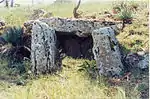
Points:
(43, 47)
(106, 52)
(136, 60)
(44, 53)
(40, 13)
(131, 60)
(37, 14)
(80, 27)
(143, 64)
(77, 26)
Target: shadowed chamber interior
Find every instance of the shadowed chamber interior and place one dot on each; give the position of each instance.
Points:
(74, 46)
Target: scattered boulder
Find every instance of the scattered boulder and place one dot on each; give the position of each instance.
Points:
(137, 60)
(40, 13)
(131, 60)
(144, 64)
(37, 14)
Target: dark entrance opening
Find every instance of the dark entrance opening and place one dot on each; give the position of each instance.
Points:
(72, 45)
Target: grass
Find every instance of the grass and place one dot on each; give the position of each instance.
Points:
(58, 10)
(135, 36)
(71, 83)
(68, 84)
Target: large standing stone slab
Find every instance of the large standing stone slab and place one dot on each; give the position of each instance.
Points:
(106, 52)
(43, 49)
(80, 27)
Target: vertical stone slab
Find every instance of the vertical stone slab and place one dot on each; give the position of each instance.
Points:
(43, 49)
(106, 52)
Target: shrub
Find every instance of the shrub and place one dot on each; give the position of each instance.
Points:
(13, 35)
(125, 15)
(90, 68)
(123, 12)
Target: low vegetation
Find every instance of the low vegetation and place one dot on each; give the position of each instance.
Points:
(135, 36)
(69, 83)
(79, 78)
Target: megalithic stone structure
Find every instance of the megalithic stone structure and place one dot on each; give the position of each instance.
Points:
(106, 52)
(44, 54)
(43, 49)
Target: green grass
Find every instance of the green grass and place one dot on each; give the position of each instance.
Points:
(18, 18)
(68, 84)
(18, 15)
(135, 36)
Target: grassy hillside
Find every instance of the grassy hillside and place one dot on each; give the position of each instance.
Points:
(70, 83)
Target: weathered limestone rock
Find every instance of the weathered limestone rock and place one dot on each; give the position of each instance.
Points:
(131, 60)
(143, 64)
(106, 52)
(80, 27)
(40, 13)
(76, 26)
(43, 49)
(37, 13)
(137, 60)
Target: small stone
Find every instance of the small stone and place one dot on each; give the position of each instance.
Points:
(37, 13)
(132, 60)
(144, 64)
(137, 60)
(141, 53)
